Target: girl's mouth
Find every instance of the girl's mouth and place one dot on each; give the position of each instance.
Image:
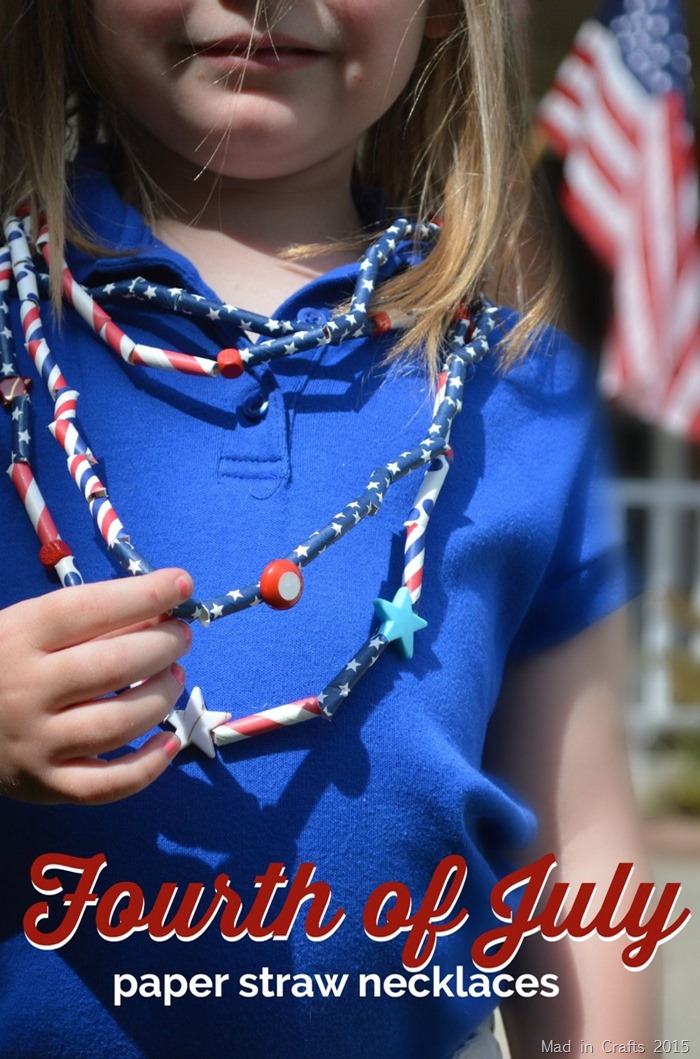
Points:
(238, 55)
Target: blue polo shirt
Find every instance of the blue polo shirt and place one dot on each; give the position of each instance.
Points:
(221, 476)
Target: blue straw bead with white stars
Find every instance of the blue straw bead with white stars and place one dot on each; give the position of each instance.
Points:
(129, 557)
(176, 299)
(21, 437)
(337, 690)
(232, 602)
(443, 419)
(187, 611)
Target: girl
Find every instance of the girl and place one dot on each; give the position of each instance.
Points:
(205, 138)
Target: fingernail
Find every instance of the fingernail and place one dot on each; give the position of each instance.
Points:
(186, 633)
(171, 746)
(184, 586)
(179, 673)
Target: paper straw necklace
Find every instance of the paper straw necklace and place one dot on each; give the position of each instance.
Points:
(281, 582)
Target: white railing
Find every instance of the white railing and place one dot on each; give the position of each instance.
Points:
(664, 516)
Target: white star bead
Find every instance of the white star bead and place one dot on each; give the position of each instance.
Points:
(194, 724)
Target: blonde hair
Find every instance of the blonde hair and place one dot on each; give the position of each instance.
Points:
(451, 147)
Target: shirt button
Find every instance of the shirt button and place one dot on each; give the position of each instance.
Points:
(255, 408)
(313, 317)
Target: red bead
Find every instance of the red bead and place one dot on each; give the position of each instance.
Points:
(382, 322)
(230, 363)
(281, 584)
(51, 553)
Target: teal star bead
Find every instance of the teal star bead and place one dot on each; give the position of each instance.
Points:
(399, 622)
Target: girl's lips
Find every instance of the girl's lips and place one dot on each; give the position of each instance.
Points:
(242, 55)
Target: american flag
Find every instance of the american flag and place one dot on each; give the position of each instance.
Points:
(617, 114)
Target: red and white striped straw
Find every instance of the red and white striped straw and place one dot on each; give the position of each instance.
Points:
(34, 503)
(267, 721)
(113, 336)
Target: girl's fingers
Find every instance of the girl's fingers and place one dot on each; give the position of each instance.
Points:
(100, 667)
(99, 727)
(136, 627)
(93, 781)
(84, 612)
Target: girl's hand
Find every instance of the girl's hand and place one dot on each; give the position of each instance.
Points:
(59, 655)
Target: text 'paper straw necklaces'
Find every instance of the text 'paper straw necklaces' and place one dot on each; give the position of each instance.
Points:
(281, 582)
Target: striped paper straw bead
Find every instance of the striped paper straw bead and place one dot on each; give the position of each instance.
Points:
(66, 404)
(81, 472)
(267, 721)
(34, 503)
(70, 440)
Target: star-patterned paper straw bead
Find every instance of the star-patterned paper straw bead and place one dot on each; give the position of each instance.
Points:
(126, 555)
(337, 691)
(177, 300)
(21, 437)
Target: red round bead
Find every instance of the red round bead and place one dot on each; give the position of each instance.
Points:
(230, 363)
(281, 584)
(51, 553)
